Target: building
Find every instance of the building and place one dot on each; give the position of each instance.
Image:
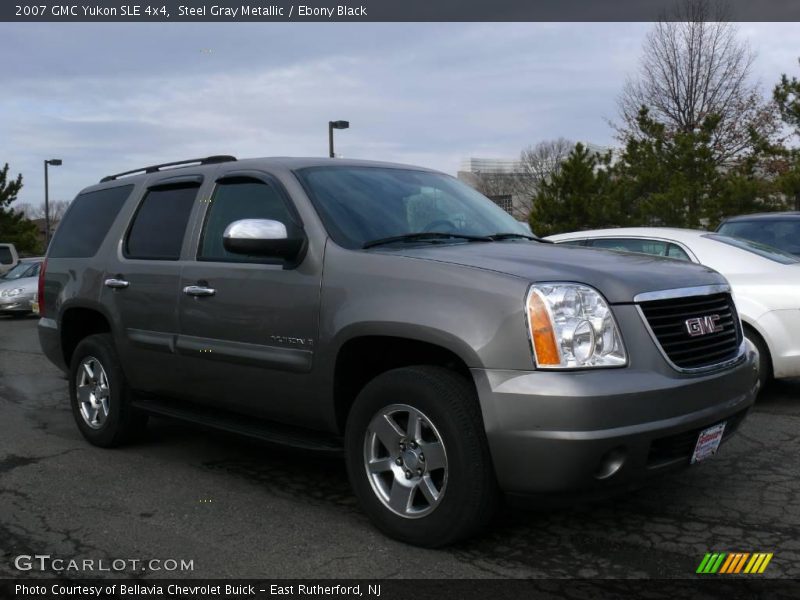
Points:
(497, 178)
(509, 182)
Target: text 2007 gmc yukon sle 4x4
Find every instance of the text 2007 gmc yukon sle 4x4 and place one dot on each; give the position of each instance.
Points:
(396, 313)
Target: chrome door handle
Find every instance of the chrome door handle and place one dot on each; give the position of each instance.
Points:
(117, 284)
(199, 290)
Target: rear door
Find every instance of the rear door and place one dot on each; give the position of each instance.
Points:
(249, 343)
(141, 283)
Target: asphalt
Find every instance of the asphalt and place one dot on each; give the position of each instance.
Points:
(237, 508)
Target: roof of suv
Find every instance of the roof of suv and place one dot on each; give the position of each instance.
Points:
(286, 162)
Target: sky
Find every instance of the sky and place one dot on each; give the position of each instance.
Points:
(110, 97)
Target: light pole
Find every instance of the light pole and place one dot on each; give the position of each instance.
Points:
(331, 126)
(56, 162)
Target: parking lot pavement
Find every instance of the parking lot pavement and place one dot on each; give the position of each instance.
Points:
(243, 509)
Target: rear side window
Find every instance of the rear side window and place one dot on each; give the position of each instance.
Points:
(654, 247)
(160, 223)
(239, 199)
(87, 222)
(5, 255)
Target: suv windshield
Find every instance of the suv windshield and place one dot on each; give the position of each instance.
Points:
(779, 233)
(769, 252)
(362, 205)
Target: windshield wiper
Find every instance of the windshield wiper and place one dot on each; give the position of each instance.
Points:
(426, 235)
(507, 236)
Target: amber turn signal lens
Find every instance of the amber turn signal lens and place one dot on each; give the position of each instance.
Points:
(544, 338)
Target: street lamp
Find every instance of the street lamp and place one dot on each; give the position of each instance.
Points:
(331, 126)
(56, 162)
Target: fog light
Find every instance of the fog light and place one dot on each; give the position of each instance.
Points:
(611, 463)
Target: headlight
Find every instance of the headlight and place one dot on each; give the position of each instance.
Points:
(11, 293)
(572, 327)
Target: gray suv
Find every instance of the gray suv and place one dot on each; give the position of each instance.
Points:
(396, 315)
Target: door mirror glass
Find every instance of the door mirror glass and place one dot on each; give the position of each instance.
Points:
(261, 237)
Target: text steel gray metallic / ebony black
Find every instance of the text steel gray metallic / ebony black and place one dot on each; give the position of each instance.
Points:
(394, 313)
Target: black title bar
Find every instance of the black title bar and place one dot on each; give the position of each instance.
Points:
(380, 10)
(729, 588)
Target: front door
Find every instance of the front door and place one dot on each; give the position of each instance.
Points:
(248, 324)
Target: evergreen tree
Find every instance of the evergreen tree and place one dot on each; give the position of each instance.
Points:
(574, 198)
(14, 227)
(787, 96)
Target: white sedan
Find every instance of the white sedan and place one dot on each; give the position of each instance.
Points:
(765, 282)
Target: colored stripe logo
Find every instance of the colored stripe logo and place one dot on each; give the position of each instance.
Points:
(732, 563)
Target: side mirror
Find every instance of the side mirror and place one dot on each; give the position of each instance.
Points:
(262, 237)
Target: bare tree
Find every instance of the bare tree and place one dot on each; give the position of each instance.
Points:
(28, 210)
(57, 210)
(694, 66)
(539, 163)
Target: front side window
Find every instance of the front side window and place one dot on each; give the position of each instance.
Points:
(160, 223)
(363, 204)
(5, 255)
(235, 199)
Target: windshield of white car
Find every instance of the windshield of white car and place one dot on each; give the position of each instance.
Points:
(362, 205)
(761, 250)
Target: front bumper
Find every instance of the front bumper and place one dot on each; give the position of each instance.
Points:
(16, 304)
(582, 431)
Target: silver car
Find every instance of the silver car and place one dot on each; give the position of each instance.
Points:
(18, 287)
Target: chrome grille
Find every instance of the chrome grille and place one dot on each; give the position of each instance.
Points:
(714, 339)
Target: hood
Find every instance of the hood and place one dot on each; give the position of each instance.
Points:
(619, 276)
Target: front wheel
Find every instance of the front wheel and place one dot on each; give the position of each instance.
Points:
(417, 456)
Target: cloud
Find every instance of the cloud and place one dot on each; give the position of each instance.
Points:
(111, 97)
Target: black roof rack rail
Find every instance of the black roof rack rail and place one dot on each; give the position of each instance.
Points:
(208, 160)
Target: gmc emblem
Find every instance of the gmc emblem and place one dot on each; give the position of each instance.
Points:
(703, 325)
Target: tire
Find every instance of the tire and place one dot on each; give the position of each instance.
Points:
(102, 409)
(444, 504)
(764, 359)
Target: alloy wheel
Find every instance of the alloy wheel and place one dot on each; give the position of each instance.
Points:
(405, 461)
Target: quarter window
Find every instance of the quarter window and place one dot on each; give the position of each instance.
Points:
(235, 199)
(87, 222)
(676, 251)
(160, 223)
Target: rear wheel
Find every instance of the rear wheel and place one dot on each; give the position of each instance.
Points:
(100, 396)
(417, 456)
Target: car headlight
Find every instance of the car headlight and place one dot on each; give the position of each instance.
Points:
(572, 327)
(12, 293)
